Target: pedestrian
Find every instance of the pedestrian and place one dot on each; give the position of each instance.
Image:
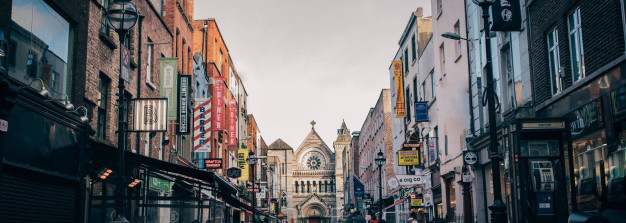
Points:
(412, 218)
(373, 220)
(382, 220)
(359, 217)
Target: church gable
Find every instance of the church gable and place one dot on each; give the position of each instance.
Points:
(314, 151)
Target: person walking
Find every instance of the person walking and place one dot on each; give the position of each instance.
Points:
(373, 220)
(413, 218)
(359, 217)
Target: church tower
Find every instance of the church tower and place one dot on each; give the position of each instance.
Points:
(342, 155)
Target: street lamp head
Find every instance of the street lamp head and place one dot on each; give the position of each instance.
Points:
(483, 2)
(380, 159)
(252, 158)
(122, 16)
(450, 35)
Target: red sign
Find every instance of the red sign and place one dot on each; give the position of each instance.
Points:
(232, 122)
(218, 103)
(213, 163)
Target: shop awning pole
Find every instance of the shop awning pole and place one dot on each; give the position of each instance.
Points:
(145, 195)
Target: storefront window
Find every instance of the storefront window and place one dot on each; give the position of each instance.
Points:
(40, 45)
(589, 155)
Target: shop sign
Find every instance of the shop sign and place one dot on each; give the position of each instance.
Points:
(543, 125)
(411, 145)
(4, 125)
(232, 122)
(359, 188)
(125, 64)
(428, 199)
(467, 177)
(149, 115)
(409, 180)
(427, 181)
(169, 86)
(261, 194)
(202, 125)
(416, 202)
(218, 103)
(399, 82)
(393, 183)
(406, 192)
(421, 111)
(183, 97)
(233, 172)
(586, 118)
(470, 157)
(242, 163)
(408, 157)
(507, 15)
(213, 163)
(432, 153)
(158, 183)
(619, 100)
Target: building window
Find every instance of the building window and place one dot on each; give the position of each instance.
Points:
(555, 65)
(149, 60)
(439, 7)
(507, 71)
(457, 48)
(415, 98)
(219, 63)
(442, 58)
(432, 83)
(445, 144)
(436, 132)
(406, 60)
(576, 45)
(40, 47)
(104, 27)
(407, 102)
(424, 91)
(413, 48)
(102, 103)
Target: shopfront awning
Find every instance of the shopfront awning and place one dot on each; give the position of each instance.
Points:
(394, 204)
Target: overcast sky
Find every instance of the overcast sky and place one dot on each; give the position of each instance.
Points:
(303, 60)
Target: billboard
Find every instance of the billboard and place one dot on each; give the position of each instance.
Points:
(218, 103)
(242, 163)
(202, 125)
(149, 115)
(168, 70)
(399, 83)
(232, 122)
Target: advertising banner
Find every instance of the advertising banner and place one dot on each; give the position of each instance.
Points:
(359, 188)
(409, 180)
(125, 64)
(432, 154)
(183, 111)
(218, 103)
(213, 163)
(507, 15)
(416, 202)
(399, 82)
(242, 163)
(168, 69)
(408, 157)
(202, 125)
(421, 111)
(149, 115)
(160, 184)
(232, 122)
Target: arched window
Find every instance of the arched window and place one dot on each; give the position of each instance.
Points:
(332, 186)
(296, 186)
(308, 186)
(301, 186)
(314, 186)
(320, 186)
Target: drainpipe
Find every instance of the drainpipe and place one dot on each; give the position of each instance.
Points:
(139, 42)
(469, 74)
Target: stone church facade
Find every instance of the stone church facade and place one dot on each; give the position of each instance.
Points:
(315, 192)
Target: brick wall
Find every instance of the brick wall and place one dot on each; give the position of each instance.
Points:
(602, 35)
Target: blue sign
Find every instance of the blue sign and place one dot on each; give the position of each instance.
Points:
(359, 188)
(421, 111)
(545, 202)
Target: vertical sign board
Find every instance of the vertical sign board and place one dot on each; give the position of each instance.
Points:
(432, 154)
(421, 111)
(202, 125)
(232, 122)
(242, 163)
(359, 188)
(507, 15)
(218, 103)
(168, 70)
(184, 86)
(149, 115)
(399, 82)
(125, 64)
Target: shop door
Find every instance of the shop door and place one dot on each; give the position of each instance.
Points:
(315, 220)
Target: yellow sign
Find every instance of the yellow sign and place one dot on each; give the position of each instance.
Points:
(416, 202)
(398, 78)
(242, 163)
(408, 157)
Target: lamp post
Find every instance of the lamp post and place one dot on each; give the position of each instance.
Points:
(122, 16)
(252, 161)
(380, 161)
(498, 209)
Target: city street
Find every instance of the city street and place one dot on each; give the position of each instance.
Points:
(352, 111)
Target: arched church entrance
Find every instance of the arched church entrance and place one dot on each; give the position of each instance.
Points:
(315, 213)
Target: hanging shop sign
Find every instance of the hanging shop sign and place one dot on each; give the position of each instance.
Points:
(149, 115)
(421, 111)
(470, 157)
(359, 188)
(125, 64)
(427, 179)
(467, 177)
(416, 202)
(399, 82)
(183, 100)
(507, 15)
(218, 103)
(232, 122)
(411, 145)
(242, 163)
(202, 125)
(393, 183)
(406, 192)
(233, 172)
(432, 153)
(410, 180)
(408, 157)
(169, 86)
(213, 163)
(158, 183)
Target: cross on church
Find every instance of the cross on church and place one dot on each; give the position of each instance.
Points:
(313, 124)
